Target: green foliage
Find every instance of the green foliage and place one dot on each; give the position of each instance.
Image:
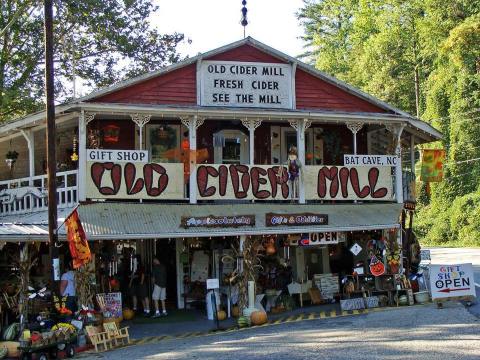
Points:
(422, 56)
(98, 41)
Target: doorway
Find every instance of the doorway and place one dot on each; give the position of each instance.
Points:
(230, 147)
(165, 251)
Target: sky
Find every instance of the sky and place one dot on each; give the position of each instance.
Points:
(213, 23)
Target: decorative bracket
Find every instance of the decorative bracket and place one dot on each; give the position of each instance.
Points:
(89, 116)
(396, 130)
(186, 120)
(294, 123)
(140, 119)
(251, 124)
(354, 127)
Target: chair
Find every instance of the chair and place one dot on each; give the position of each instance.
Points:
(116, 334)
(98, 338)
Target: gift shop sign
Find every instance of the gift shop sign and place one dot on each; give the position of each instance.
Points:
(263, 182)
(217, 221)
(117, 155)
(246, 84)
(134, 180)
(451, 281)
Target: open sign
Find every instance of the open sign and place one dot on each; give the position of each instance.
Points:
(451, 280)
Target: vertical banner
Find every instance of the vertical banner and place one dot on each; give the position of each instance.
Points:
(77, 240)
(432, 165)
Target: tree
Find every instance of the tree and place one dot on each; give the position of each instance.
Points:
(97, 41)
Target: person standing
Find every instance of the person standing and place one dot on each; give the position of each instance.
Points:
(160, 287)
(138, 286)
(67, 288)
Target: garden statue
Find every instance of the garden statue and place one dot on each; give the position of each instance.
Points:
(294, 168)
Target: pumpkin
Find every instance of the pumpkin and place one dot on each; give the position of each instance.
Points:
(128, 314)
(221, 315)
(377, 268)
(258, 317)
(235, 311)
(243, 321)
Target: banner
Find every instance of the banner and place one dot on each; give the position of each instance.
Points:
(135, 180)
(432, 165)
(77, 240)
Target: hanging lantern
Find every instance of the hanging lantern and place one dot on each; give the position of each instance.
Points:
(74, 156)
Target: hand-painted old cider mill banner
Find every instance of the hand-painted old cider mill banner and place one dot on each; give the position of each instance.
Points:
(134, 180)
(263, 182)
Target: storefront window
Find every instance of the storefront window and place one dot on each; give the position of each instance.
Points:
(164, 143)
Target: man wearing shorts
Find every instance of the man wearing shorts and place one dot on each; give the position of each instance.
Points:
(159, 273)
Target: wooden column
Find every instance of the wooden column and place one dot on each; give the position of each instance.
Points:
(85, 119)
(29, 137)
(251, 125)
(354, 127)
(300, 125)
(193, 123)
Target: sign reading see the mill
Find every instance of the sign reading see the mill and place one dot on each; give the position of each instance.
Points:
(246, 84)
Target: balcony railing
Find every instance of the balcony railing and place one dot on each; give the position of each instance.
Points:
(29, 194)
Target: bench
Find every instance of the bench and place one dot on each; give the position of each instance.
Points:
(98, 337)
(116, 334)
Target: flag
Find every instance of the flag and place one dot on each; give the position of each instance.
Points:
(77, 240)
(432, 165)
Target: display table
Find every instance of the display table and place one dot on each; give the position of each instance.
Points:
(300, 289)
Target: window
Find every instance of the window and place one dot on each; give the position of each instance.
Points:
(163, 141)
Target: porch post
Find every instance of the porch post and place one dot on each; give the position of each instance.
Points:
(396, 131)
(192, 123)
(301, 125)
(85, 118)
(354, 127)
(29, 137)
(251, 125)
(140, 120)
(412, 154)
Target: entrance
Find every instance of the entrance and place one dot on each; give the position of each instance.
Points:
(166, 252)
(231, 147)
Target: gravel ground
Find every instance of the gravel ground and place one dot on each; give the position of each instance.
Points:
(419, 332)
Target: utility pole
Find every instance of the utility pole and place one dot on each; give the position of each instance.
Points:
(51, 155)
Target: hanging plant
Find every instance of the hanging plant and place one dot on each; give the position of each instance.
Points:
(12, 155)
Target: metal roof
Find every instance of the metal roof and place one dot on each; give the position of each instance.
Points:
(142, 221)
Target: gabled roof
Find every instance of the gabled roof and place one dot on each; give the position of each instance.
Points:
(259, 45)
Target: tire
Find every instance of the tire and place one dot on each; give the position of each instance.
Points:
(43, 356)
(70, 351)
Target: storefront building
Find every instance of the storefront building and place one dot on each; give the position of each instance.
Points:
(186, 162)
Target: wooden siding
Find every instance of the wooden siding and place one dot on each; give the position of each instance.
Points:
(177, 87)
(247, 53)
(315, 93)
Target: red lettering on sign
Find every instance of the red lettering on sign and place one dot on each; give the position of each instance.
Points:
(203, 172)
(148, 172)
(255, 173)
(245, 180)
(373, 175)
(276, 180)
(344, 175)
(223, 171)
(356, 184)
(130, 172)
(330, 174)
(97, 171)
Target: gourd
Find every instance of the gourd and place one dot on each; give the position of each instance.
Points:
(235, 311)
(258, 317)
(221, 315)
(243, 321)
(128, 314)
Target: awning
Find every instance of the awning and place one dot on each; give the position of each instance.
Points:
(30, 227)
(117, 221)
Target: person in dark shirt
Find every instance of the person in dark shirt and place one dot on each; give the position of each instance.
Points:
(159, 273)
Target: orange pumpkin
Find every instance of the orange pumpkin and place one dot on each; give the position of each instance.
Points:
(128, 314)
(221, 315)
(377, 268)
(258, 317)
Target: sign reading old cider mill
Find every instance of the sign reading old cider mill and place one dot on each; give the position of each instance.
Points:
(246, 84)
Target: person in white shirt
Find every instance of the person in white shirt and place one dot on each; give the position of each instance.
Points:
(67, 288)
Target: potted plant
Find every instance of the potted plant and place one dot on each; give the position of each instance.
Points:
(11, 157)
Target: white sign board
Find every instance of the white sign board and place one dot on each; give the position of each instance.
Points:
(451, 280)
(117, 155)
(246, 84)
(370, 160)
(355, 249)
(212, 284)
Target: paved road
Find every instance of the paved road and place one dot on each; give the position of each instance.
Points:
(459, 256)
(419, 332)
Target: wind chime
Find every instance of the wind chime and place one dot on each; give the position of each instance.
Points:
(74, 156)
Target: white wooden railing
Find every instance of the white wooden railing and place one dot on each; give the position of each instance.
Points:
(29, 194)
